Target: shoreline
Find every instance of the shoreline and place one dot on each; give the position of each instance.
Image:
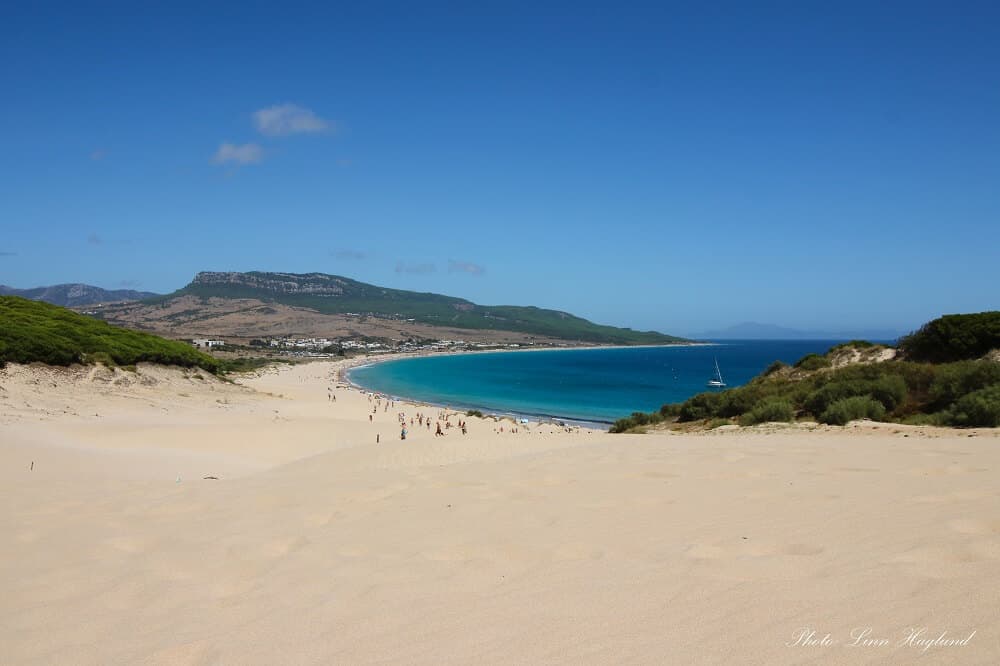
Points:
(344, 375)
(539, 417)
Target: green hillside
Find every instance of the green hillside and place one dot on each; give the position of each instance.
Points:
(339, 295)
(964, 391)
(33, 331)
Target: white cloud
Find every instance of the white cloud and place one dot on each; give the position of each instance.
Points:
(247, 153)
(465, 267)
(283, 119)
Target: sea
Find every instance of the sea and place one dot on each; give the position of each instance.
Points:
(592, 386)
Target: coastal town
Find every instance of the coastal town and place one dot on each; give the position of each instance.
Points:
(323, 347)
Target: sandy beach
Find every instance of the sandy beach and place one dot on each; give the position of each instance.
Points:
(313, 544)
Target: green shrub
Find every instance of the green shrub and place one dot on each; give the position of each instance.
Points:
(832, 391)
(890, 390)
(812, 362)
(937, 419)
(636, 420)
(739, 400)
(977, 409)
(670, 410)
(853, 408)
(953, 338)
(701, 406)
(775, 367)
(36, 332)
(773, 409)
(854, 344)
(715, 423)
(953, 380)
(474, 412)
(247, 363)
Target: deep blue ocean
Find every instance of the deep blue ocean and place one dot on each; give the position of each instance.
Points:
(580, 384)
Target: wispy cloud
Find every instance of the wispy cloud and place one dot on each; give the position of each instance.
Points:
(465, 267)
(284, 119)
(240, 154)
(129, 284)
(415, 269)
(94, 239)
(351, 255)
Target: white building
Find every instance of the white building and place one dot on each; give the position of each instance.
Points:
(204, 343)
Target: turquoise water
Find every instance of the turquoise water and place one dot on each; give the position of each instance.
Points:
(598, 385)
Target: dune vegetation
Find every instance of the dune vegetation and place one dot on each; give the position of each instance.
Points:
(946, 373)
(37, 332)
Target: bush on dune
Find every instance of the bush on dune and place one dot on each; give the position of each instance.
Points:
(953, 338)
(851, 409)
(36, 332)
(811, 362)
(977, 409)
(954, 380)
(768, 411)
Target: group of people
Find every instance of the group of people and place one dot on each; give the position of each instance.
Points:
(379, 402)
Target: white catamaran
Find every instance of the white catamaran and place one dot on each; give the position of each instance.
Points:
(716, 382)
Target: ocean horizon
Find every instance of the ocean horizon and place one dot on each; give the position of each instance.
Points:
(590, 385)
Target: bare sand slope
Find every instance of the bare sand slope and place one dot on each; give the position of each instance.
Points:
(317, 546)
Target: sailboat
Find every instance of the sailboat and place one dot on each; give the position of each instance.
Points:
(716, 382)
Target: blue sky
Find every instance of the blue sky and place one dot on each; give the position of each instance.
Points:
(812, 165)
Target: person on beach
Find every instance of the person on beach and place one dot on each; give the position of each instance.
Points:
(439, 433)
(402, 433)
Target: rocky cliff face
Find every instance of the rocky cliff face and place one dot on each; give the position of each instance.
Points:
(315, 284)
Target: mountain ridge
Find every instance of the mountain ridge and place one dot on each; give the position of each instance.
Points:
(75, 294)
(334, 294)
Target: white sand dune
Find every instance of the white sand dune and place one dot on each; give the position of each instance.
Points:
(316, 545)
